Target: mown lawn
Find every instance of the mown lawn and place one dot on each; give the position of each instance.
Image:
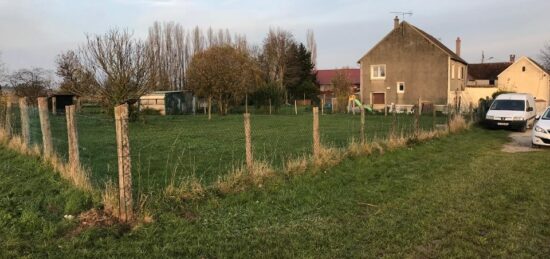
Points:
(459, 196)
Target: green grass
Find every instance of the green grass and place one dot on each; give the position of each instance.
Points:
(172, 148)
(459, 196)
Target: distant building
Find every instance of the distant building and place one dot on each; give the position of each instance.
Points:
(486, 74)
(527, 76)
(408, 64)
(324, 78)
(167, 102)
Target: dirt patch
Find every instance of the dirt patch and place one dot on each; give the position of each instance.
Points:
(520, 142)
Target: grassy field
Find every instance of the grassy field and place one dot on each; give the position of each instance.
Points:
(171, 148)
(458, 196)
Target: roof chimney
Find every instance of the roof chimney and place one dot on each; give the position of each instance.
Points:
(458, 43)
(512, 58)
(395, 22)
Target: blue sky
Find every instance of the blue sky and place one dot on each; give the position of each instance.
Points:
(33, 32)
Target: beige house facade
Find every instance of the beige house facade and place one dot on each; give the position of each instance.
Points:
(527, 76)
(409, 64)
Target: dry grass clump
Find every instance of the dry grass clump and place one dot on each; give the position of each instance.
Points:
(296, 166)
(17, 144)
(327, 157)
(110, 200)
(396, 141)
(239, 179)
(359, 148)
(189, 189)
(78, 176)
(458, 124)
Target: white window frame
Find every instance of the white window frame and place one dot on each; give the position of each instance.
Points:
(460, 72)
(372, 67)
(453, 71)
(400, 91)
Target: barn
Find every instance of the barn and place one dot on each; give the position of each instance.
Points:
(167, 102)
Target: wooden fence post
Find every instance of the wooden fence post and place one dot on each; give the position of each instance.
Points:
(323, 105)
(417, 117)
(270, 106)
(449, 110)
(25, 127)
(45, 127)
(7, 126)
(54, 105)
(316, 137)
(126, 211)
(72, 134)
(434, 116)
(386, 104)
(394, 120)
(210, 107)
(248, 143)
(295, 107)
(362, 125)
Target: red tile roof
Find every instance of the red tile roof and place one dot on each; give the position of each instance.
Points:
(324, 77)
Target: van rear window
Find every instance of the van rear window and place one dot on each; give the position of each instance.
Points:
(508, 105)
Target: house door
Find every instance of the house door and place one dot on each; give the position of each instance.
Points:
(378, 98)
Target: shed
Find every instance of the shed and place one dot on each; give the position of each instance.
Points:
(58, 101)
(167, 102)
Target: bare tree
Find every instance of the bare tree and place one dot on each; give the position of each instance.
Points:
(75, 79)
(223, 73)
(167, 56)
(342, 88)
(312, 46)
(545, 56)
(31, 83)
(119, 64)
(275, 55)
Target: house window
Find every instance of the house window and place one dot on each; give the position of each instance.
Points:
(378, 72)
(400, 87)
(523, 69)
(453, 71)
(461, 73)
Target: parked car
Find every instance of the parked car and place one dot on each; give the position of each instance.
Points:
(541, 131)
(514, 111)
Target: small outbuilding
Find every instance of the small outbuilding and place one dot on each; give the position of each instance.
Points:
(58, 101)
(167, 102)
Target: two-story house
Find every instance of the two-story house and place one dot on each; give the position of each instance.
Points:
(408, 64)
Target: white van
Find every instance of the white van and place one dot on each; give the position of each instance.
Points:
(516, 111)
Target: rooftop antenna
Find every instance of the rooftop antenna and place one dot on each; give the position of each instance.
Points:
(409, 13)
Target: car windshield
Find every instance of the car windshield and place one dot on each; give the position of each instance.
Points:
(546, 115)
(508, 105)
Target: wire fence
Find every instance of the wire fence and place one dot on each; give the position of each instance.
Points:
(170, 149)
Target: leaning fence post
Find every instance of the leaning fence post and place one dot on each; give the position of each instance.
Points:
(72, 134)
(25, 128)
(45, 127)
(7, 126)
(316, 137)
(126, 211)
(248, 143)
